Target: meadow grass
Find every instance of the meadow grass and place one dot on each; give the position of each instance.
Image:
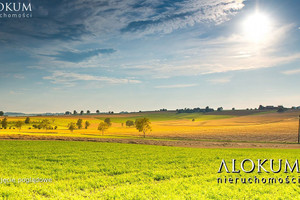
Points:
(89, 170)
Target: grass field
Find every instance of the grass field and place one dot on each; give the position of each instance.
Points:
(245, 126)
(88, 170)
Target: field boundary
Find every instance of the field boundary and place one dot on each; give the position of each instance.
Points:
(177, 143)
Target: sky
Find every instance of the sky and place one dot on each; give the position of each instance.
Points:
(132, 55)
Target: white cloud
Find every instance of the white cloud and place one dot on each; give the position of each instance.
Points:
(187, 13)
(61, 77)
(12, 92)
(220, 80)
(223, 54)
(176, 86)
(291, 72)
(19, 76)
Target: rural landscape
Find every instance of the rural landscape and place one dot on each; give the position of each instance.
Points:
(215, 128)
(149, 99)
(120, 163)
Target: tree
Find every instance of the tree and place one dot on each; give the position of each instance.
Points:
(88, 112)
(75, 112)
(87, 124)
(281, 110)
(45, 124)
(143, 125)
(103, 127)
(4, 123)
(67, 113)
(233, 109)
(79, 123)
(81, 112)
(19, 125)
(97, 111)
(129, 123)
(1, 113)
(27, 120)
(107, 121)
(220, 109)
(72, 126)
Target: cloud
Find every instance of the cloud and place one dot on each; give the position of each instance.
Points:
(291, 72)
(78, 56)
(173, 15)
(220, 54)
(70, 79)
(19, 76)
(77, 19)
(220, 80)
(12, 92)
(176, 86)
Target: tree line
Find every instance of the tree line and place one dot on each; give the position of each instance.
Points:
(44, 124)
(141, 124)
(88, 112)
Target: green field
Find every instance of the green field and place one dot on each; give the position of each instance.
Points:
(88, 170)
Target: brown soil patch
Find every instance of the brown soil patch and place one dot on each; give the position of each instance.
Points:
(178, 143)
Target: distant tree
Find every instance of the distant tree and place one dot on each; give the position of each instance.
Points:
(75, 112)
(261, 107)
(281, 109)
(4, 123)
(103, 127)
(107, 121)
(87, 124)
(88, 112)
(97, 111)
(79, 123)
(81, 112)
(72, 126)
(1, 113)
(129, 123)
(207, 109)
(233, 108)
(27, 120)
(19, 125)
(220, 109)
(67, 113)
(143, 125)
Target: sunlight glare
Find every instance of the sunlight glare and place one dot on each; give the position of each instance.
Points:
(257, 27)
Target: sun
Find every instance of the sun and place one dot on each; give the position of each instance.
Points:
(257, 27)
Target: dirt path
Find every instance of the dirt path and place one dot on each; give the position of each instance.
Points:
(178, 143)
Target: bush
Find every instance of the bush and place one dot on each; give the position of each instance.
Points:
(129, 123)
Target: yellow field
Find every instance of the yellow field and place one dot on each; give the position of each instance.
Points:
(257, 127)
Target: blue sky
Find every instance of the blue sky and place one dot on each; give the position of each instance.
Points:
(136, 55)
